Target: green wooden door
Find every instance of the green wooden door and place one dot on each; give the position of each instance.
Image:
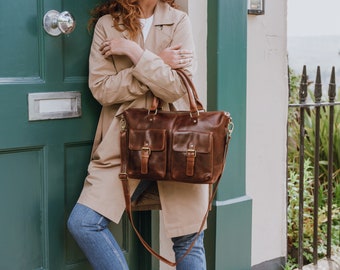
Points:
(43, 162)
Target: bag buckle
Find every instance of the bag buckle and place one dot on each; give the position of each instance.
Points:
(191, 152)
(191, 155)
(122, 124)
(146, 151)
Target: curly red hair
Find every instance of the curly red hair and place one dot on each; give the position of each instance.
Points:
(128, 10)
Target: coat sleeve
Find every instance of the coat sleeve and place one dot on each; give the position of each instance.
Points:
(158, 76)
(108, 85)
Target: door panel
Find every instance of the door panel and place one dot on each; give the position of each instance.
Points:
(21, 211)
(76, 156)
(17, 50)
(43, 163)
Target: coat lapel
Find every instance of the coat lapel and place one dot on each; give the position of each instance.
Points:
(160, 34)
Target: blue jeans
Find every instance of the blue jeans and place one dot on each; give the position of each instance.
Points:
(90, 231)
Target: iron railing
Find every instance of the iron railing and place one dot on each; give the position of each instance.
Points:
(304, 106)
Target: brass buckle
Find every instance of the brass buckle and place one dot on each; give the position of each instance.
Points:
(146, 148)
(191, 151)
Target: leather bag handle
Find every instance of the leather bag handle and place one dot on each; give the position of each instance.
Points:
(195, 103)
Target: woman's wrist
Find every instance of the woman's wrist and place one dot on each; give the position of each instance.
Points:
(135, 52)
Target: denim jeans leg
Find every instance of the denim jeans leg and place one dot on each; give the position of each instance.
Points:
(90, 231)
(196, 257)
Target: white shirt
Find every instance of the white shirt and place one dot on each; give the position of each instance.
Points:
(146, 25)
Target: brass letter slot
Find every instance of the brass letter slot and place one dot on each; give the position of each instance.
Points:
(54, 105)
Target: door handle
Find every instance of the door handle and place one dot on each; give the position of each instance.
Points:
(56, 23)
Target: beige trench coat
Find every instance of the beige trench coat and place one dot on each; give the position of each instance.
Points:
(117, 85)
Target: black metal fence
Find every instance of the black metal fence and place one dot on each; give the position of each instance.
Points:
(307, 102)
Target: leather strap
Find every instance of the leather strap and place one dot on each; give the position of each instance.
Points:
(191, 155)
(195, 103)
(145, 153)
(123, 150)
(185, 77)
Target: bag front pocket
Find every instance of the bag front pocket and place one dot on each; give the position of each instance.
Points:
(147, 153)
(192, 156)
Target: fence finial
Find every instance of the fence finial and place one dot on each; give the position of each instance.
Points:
(303, 86)
(318, 86)
(332, 86)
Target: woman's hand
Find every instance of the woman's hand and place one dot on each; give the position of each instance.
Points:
(121, 46)
(175, 57)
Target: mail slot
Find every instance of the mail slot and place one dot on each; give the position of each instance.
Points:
(54, 105)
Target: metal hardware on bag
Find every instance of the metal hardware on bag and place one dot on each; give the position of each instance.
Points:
(231, 128)
(197, 114)
(122, 124)
(150, 115)
(191, 152)
(156, 111)
(146, 148)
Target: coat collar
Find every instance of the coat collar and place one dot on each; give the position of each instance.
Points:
(163, 15)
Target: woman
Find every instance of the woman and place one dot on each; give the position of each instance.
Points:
(137, 45)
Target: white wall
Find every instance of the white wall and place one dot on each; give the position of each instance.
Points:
(197, 10)
(267, 105)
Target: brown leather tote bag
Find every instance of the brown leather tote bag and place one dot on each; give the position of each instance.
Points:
(183, 146)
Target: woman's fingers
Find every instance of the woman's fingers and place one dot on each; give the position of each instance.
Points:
(105, 48)
(183, 62)
(182, 53)
(176, 57)
(113, 47)
(184, 57)
(185, 53)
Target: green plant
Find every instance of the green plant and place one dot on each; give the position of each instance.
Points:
(290, 264)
